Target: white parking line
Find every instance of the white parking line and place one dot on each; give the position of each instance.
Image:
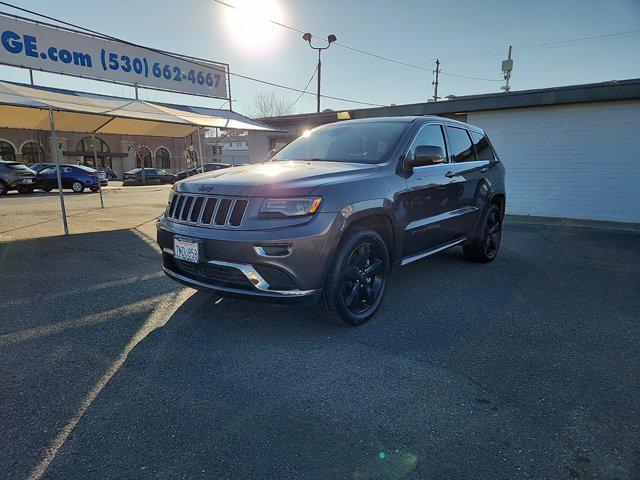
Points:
(158, 318)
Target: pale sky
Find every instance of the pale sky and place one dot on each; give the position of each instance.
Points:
(470, 37)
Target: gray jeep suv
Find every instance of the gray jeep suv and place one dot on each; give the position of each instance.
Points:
(331, 213)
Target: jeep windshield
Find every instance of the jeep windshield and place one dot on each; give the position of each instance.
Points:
(367, 142)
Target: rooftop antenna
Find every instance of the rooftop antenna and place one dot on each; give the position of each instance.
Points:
(507, 66)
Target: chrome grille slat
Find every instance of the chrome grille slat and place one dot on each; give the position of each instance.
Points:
(222, 213)
(207, 210)
(186, 210)
(196, 210)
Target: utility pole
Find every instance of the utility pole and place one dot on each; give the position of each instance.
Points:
(435, 82)
(507, 66)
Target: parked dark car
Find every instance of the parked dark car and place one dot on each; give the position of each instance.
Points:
(152, 175)
(208, 167)
(74, 177)
(16, 176)
(109, 173)
(334, 211)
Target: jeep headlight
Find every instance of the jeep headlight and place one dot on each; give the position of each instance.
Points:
(290, 207)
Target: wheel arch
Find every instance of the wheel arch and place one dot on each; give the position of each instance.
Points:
(376, 214)
(500, 200)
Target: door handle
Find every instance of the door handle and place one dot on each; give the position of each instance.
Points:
(451, 174)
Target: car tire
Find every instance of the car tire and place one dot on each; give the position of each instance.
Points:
(94, 189)
(25, 190)
(3, 188)
(486, 244)
(77, 187)
(357, 278)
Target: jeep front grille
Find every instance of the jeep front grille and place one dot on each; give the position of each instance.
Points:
(207, 210)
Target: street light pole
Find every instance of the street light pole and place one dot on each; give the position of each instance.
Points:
(330, 39)
(319, 75)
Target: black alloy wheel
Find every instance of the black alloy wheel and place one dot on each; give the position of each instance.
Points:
(484, 248)
(357, 278)
(362, 278)
(493, 233)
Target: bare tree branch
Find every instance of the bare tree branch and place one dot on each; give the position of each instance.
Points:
(267, 105)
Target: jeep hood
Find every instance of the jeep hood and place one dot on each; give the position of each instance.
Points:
(274, 178)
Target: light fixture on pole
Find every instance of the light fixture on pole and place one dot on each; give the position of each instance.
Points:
(330, 39)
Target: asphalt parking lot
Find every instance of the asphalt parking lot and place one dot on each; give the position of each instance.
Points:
(526, 368)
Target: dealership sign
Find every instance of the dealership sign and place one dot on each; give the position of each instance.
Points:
(51, 49)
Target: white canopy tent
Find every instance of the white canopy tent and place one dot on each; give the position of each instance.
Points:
(27, 106)
(43, 108)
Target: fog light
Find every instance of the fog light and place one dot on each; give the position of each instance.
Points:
(282, 250)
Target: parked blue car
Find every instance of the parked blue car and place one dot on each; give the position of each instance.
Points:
(74, 177)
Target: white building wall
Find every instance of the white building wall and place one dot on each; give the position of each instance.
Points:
(577, 161)
(258, 143)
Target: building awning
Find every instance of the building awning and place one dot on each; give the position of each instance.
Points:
(27, 107)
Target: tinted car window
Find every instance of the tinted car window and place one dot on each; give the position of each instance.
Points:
(368, 142)
(429, 135)
(460, 145)
(483, 149)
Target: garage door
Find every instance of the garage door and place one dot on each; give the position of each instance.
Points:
(576, 161)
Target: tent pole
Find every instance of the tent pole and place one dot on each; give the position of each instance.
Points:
(54, 153)
(95, 162)
(200, 150)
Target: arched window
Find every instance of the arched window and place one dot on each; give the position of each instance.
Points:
(190, 157)
(143, 154)
(85, 152)
(32, 152)
(7, 152)
(163, 159)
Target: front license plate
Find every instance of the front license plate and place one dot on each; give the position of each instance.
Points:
(186, 250)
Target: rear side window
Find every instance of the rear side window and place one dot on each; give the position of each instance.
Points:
(483, 148)
(460, 145)
(67, 169)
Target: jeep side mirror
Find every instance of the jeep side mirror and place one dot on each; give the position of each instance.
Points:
(426, 155)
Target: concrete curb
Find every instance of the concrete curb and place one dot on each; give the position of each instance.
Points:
(573, 223)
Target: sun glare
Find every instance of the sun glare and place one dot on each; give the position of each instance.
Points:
(249, 25)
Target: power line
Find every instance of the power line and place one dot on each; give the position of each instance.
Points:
(348, 47)
(560, 43)
(192, 60)
(315, 70)
(364, 52)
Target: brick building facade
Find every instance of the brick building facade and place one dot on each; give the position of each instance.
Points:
(119, 152)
